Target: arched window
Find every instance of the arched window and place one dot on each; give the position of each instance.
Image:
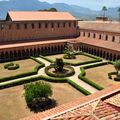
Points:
(46, 25)
(113, 38)
(58, 25)
(39, 25)
(88, 34)
(83, 33)
(63, 24)
(25, 26)
(94, 35)
(100, 36)
(33, 25)
(52, 25)
(106, 38)
(69, 24)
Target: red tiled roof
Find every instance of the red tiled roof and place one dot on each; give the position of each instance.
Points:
(100, 26)
(91, 107)
(99, 43)
(37, 16)
(90, 41)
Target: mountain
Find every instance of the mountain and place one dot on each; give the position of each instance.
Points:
(77, 11)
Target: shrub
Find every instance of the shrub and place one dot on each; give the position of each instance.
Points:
(52, 74)
(111, 73)
(37, 94)
(11, 66)
(81, 89)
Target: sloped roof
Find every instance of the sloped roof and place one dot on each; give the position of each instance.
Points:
(103, 105)
(109, 26)
(37, 15)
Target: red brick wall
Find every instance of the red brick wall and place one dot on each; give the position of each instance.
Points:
(14, 33)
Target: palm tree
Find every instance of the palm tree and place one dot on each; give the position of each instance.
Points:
(104, 9)
(119, 13)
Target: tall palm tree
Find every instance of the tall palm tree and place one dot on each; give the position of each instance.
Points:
(104, 9)
(119, 13)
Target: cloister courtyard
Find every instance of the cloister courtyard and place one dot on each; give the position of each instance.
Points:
(65, 89)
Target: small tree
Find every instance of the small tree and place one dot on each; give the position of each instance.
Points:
(69, 52)
(36, 94)
(59, 64)
(117, 66)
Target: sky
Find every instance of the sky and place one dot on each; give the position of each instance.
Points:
(93, 4)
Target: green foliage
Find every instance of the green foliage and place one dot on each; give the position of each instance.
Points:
(111, 73)
(117, 66)
(90, 82)
(63, 74)
(69, 52)
(59, 64)
(33, 72)
(11, 66)
(36, 93)
(51, 10)
(81, 89)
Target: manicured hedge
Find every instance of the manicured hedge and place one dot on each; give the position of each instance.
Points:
(24, 74)
(47, 78)
(111, 73)
(49, 60)
(11, 66)
(81, 89)
(83, 63)
(59, 75)
(19, 82)
(97, 59)
(95, 65)
(117, 79)
(83, 73)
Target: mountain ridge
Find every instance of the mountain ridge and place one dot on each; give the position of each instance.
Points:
(75, 10)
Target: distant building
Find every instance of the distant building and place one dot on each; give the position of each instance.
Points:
(101, 18)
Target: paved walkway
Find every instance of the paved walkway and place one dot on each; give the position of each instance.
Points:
(74, 78)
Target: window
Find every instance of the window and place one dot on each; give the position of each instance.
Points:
(94, 35)
(106, 38)
(63, 24)
(69, 24)
(83, 33)
(39, 25)
(58, 25)
(99, 36)
(113, 38)
(33, 26)
(18, 26)
(52, 25)
(46, 25)
(25, 26)
(88, 34)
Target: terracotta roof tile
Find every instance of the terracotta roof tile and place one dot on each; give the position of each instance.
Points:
(100, 25)
(37, 16)
(99, 43)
